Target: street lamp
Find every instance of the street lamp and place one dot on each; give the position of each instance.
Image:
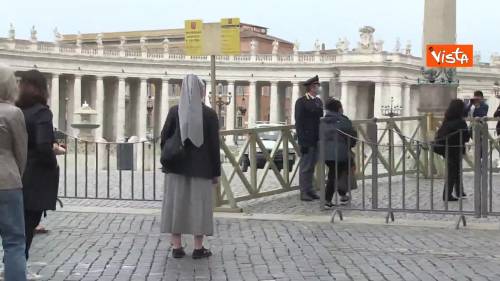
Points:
(221, 101)
(391, 110)
(496, 90)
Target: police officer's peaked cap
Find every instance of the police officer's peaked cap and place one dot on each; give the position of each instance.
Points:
(311, 81)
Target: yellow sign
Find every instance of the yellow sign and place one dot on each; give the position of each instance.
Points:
(212, 38)
(230, 36)
(193, 42)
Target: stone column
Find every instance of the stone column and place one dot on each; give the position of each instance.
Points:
(396, 93)
(332, 89)
(99, 104)
(295, 97)
(120, 110)
(54, 99)
(408, 127)
(231, 108)
(274, 104)
(77, 97)
(377, 101)
(407, 100)
(165, 102)
(352, 108)
(142, 111)
(344, 96)
(252, 104)
(208, 89)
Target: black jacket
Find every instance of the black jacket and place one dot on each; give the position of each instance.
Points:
(449, 134)
(339, 137)
(41, 177)
(308, 112)
(496, 115)
(202, 162)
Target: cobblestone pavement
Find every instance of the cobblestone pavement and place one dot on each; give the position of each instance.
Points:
(90, 246)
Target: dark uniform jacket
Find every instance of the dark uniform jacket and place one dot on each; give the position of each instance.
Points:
(308, 112)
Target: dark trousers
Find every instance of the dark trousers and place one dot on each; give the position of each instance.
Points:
(31, 221)
(306, 174)
(334, 173)
(453, 179)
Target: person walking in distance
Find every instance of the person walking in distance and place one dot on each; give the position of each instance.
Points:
(308, 111)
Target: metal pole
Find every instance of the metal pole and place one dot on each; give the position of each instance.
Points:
(477, 168)
(212, 77)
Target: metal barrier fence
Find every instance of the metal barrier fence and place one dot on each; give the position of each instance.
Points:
(395, 168)
(105, 170)
(421, 186)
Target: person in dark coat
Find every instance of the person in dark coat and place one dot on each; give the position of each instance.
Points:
(339, 138)
(41, 178)
(191, 172)
(308, 111)
(477, 107)
(497, 115)
(454, 134)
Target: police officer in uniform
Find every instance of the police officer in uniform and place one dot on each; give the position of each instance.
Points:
(308, 111)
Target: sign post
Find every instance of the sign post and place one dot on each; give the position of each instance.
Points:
(212, 39)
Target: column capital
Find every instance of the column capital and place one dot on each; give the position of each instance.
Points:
(252, 82)
(274, 83)
(55, 75)
(99, 77)
(231, 82)
(78, 76)
(121, 78)
(143, 79)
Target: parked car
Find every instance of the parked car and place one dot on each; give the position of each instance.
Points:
(269, 139)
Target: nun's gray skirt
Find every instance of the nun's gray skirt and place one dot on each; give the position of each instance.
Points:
(187, 205)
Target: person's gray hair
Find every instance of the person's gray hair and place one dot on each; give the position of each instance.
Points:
(8, 85)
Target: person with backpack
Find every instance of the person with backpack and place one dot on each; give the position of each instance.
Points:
(191, 160)
(453, 135)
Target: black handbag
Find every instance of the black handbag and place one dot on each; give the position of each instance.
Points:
(173, 149)
(439, 148)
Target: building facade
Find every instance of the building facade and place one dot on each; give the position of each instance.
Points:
(133, 88)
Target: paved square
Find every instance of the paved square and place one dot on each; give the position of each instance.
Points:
(92, 246)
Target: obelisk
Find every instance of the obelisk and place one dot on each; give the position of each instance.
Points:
(440, 27)
(440, 23)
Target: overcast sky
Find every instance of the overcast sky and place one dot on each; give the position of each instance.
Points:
(302, 20)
